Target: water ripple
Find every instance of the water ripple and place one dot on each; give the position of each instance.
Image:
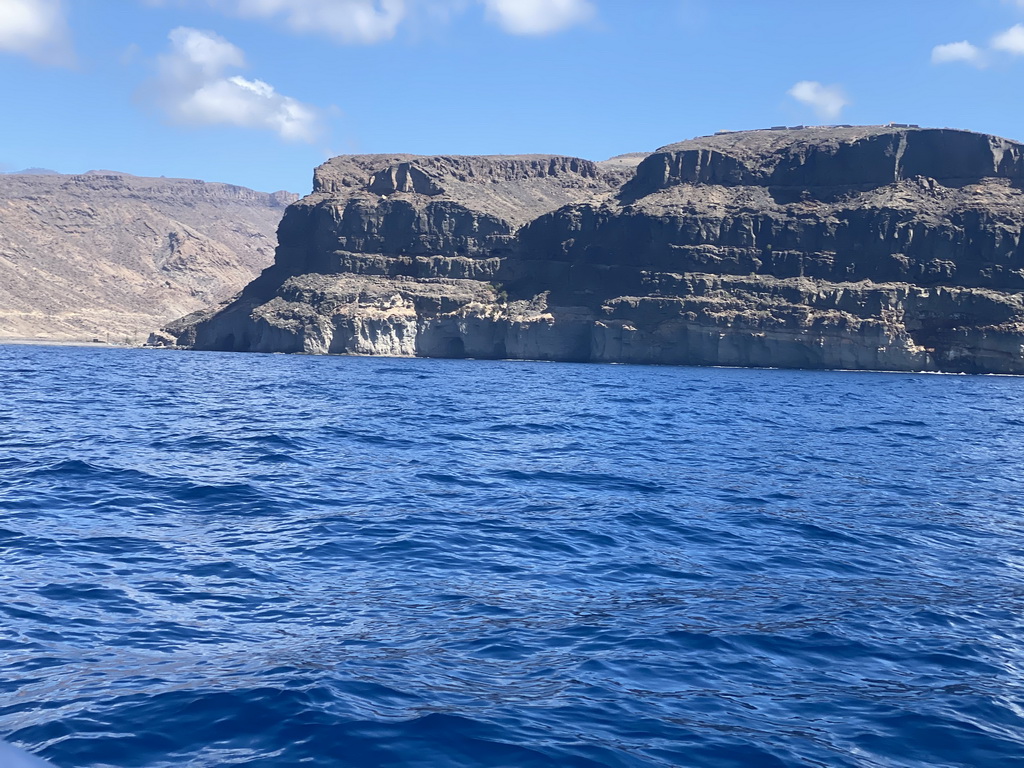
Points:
(226, 560)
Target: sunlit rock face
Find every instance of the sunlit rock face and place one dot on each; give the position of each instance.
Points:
(876, 248)
(106, 255)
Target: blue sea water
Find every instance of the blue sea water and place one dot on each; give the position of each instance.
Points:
(245, 560)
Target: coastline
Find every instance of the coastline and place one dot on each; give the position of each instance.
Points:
(537, 360)
(21, 341)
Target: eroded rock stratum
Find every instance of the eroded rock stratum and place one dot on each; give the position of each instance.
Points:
(873, 248)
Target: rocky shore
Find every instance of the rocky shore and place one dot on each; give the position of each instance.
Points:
(874, 248)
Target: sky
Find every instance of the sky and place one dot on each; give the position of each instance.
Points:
(260, 92)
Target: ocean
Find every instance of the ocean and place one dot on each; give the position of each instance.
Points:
(248, 560)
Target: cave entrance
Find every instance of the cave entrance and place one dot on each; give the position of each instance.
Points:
(455, 348)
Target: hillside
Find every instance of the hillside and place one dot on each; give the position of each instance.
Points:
(111, 256)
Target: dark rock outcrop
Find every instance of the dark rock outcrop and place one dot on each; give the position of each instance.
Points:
(883, 248)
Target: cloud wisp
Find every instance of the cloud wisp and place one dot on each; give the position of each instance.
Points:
(37, 29)
(538, 17)
(827, 101)
(959, 52)
(375, 21)
(347, 21)
(1011, 41)
(193, 87)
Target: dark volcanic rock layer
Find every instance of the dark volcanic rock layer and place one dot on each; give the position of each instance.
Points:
(865, 248)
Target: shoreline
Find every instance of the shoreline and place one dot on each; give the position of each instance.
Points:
(565, 362)
(29, 342)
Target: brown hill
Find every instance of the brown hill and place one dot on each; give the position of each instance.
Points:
(112, 256)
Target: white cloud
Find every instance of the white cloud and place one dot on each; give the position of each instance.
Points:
(538, 17)
(827, 101)
(374, 21)
(37, 29)
(962, 51)
(199, 54)
(1011, 41)
(193, 88)
(348, 21)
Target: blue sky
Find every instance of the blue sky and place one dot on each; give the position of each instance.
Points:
(259, 92)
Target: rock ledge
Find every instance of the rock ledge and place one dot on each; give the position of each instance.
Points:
(873, 248)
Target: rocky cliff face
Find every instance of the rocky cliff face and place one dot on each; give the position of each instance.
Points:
(111, 256)
(866, 248)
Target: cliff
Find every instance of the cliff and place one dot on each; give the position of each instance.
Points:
(110, 256)
(879, 248)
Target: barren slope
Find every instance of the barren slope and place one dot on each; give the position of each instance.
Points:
(112, 256)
